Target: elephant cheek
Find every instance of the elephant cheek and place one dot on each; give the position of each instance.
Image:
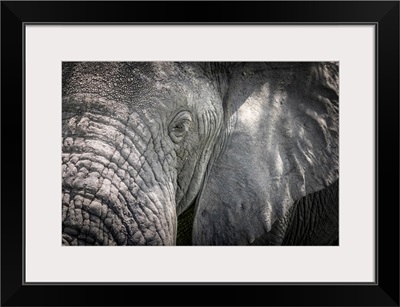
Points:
(111, 200)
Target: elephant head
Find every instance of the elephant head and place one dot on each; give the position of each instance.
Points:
(142, 141)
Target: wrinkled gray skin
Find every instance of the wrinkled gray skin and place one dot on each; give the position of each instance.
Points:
(240, 142)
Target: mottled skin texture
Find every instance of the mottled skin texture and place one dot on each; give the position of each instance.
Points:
(239, 144)
(312, 220)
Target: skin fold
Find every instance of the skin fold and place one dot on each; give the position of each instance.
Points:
(235, 153)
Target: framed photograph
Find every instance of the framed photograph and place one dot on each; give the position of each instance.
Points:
(155, 149)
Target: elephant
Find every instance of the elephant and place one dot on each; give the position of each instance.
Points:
(200, 153)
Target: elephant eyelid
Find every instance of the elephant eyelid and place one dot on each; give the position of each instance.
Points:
(179, 126)
(182, 125)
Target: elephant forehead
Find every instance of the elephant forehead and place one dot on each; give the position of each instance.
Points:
(112, 80)
(137, 84)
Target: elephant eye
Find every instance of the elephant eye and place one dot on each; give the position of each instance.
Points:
(180, 126)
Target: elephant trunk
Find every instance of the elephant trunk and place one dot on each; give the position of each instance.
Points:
(114, 189)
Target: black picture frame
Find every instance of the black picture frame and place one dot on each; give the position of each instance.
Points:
(383, 14)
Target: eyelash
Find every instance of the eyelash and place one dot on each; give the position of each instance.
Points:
(183, 125)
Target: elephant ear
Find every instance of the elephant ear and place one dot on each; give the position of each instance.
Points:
(280, 143)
